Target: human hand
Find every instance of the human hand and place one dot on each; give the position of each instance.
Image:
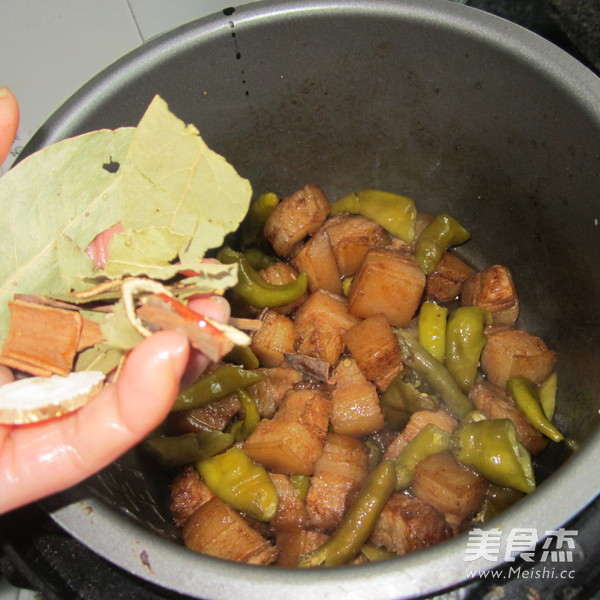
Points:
(43, 458)
(9, 121)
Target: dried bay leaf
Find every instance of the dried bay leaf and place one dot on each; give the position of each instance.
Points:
(56, 198)
(175, 197)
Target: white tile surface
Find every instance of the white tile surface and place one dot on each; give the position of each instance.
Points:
(50, 48)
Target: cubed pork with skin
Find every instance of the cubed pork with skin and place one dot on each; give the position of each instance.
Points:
(320, 324)
(294, 542)
(351, 237)
(270, 391)
(449, 487)
(374, 347)
(356, 410)
(292, 441)
(315, 258)
(407, 524)
(514, 352)
(296, 217)
(494, 290)
(218, 530)
(494, 403)
(417, 421)
(446, 281)
(188, 492)
(291, 509)
(274, 339)
(339, 474)
(388, 282)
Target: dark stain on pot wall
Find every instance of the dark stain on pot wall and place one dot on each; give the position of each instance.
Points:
(228, 12)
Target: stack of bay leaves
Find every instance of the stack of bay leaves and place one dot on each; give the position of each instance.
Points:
(60, 315)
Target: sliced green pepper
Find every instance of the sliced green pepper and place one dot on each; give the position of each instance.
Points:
(348, 539)
(374, 554)
(220, 383)
(243, 355)
(417, 358)
(258, 259)
(430, 440)
(525, 394)
(255, 290)
(443, 231)
(431, 324)
(464, 343)
(547, 390)
(497, 500)
(301, 484)
(242, 483)
(395, 213)
(491, 448)
(254, 223)
(244, 427)
(175, 451)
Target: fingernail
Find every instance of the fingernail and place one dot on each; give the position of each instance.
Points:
(4, 91)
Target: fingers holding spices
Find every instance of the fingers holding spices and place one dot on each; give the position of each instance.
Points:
(41, 459)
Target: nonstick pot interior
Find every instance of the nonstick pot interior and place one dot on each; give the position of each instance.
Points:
(464, 112)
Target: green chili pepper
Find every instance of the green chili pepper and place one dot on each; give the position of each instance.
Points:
(258, 213)
(220, 383)
(417, 358)
(244, 427)
(301, 484)
(431, 324)
(403, 395)
(348, 539)
(373, 554)
(375, 453)
(430, 440)
(443, 231)
(346, 285)
(497, 500)
(491, 448)
(464, 343)
(395, 213)
(252, 287)
(242, 483)
(526, 396)
(243, 355)
(547, 392)
(188, 448)
(258, 259)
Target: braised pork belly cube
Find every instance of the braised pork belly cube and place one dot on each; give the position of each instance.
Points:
(514, 352)
(280, 273)
(355, 403)
(274, 339)
(446, 281)
(494, 403)
(292, 441)
(339, 474)
(449, 487)
(270, 391)
(374, 347)
(315, 258)
(351, 238)
(320, 324)
(296, 217)
(407, 524)
(387, 283)
(417, 421)
(218, 530)
(494, 290)
(291, 509)
(294, 542)
(188, 492)
(214, 416)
